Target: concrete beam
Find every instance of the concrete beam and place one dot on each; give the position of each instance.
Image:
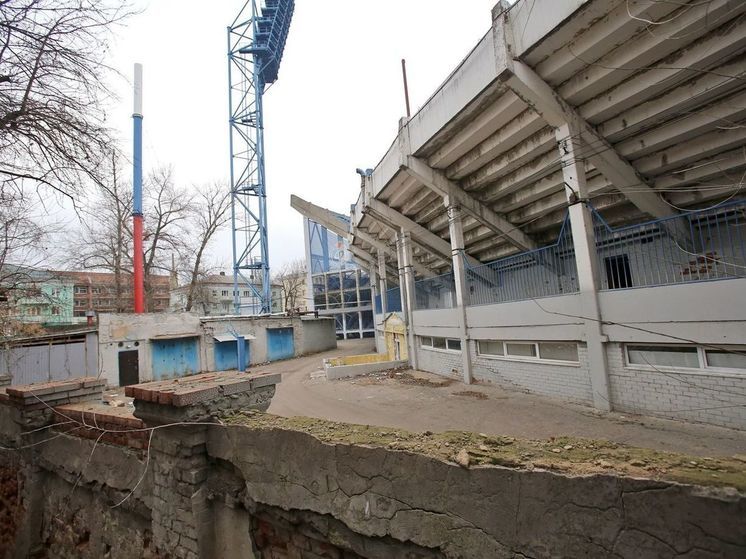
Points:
(379, 245)
(320, 215)
(530, 87)
(438, 182)
(326, 218)
(438, 245)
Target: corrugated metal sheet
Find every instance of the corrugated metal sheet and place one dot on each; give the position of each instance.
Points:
(50, 360)
(174, 357)
(226, 355)
(280, 343)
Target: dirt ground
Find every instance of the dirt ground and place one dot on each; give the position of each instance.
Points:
(421, 402)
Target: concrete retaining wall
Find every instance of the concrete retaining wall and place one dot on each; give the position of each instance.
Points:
(237, 491)
(319, 334)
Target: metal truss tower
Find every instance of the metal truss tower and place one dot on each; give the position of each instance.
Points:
(256, 40)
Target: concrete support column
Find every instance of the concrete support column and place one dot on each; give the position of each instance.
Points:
(382, 279)
(400, 268)
(373, 276)
(406, 272)
(180, 512)
(586, 259)
(456, 232)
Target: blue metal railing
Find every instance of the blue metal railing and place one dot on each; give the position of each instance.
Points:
(692, 246)
(541, 272)
(435, 293)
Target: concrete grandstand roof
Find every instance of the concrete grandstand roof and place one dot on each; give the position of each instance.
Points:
(655, 90)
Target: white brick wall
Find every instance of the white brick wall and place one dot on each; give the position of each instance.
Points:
(446, 363)
(548, 379)
(715, 399)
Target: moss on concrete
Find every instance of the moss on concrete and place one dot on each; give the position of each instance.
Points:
(562, 454)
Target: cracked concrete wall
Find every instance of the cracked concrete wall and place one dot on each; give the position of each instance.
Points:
(238, 491)
(481, 512)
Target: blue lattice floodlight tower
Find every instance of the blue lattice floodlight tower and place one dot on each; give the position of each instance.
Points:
(256, 40)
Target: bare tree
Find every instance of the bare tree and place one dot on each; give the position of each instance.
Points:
(52, 129)
(22, 252)
(166, 209)
(292, 277)
(105, 241)
(208, 213)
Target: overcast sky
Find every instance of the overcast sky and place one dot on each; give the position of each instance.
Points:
(335, 105)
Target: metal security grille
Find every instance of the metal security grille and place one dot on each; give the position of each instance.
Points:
(435, 293)
(542, 272)
(693, 246)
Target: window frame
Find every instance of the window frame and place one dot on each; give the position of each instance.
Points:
(525, 359)
(431, 346)
(703, 369)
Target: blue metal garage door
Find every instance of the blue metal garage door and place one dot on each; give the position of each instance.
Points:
(174, 357)
(280, 344)
(226, 356)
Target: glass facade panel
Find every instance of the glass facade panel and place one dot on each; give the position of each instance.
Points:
(368, 323)
(335, 300)
(332, 282)
(336, 280)
(349, 280)
(350, 298)
(352, 321)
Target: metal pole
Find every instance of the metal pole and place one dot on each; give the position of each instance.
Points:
(406, 87)
(137, 214)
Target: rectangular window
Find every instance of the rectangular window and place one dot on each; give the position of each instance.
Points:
(56, 311)
(558, 351)
(726, 359)
(450, 344)
(663, 356)
(520, 349)
(224, 292)
(490, 347)
(247, 293)
(350, 298)
(453, 345)
(618, 272)
(365, 297)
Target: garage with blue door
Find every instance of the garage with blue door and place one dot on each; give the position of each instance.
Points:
(280, 344)
(174, 356)
(226, 352)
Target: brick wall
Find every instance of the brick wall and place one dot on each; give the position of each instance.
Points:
(446, 363)
(571, 382)
(10, 506)
(717, 399)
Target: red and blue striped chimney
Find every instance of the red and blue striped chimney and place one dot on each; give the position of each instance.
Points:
(139, 273)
